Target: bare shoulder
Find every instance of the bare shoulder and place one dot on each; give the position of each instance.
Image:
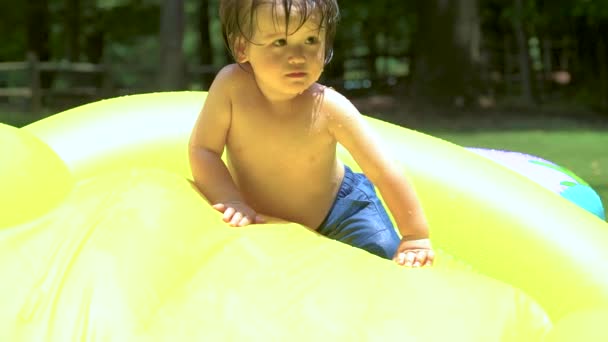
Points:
(232, 72)
(337, 106)
(231, 77)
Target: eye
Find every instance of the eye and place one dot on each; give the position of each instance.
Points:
(312, 40)
(279, 42)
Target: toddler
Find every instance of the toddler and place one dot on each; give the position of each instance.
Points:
(280, 129)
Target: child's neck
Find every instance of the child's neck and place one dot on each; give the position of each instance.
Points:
(279, 99)
(282, 101)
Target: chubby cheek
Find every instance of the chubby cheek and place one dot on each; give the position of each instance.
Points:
(317, 73)
(271, 61)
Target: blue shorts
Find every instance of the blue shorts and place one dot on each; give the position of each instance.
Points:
(358, 218)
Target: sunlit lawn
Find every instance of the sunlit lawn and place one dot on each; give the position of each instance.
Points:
(584, 152)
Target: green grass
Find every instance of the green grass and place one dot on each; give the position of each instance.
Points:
(584, 152)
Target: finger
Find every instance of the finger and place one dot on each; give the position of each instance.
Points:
(430, 257)
(228, 214)
(399, 258)
(409, 258)
(236, 218)
(219, 207)
(244, 221)
(421, 257)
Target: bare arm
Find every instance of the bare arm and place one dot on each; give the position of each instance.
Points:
(350, 129)
(206, 146)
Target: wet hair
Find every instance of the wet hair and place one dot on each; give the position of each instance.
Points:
(237, 18)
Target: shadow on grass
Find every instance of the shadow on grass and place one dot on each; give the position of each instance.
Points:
(432, 118)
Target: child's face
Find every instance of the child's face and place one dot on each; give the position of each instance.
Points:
(285, 64)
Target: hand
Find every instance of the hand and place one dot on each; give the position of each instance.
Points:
(238, 214)
(414, 253)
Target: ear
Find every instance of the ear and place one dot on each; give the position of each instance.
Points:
(240, 50)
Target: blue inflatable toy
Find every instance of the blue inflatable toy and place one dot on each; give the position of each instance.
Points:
(549, 175)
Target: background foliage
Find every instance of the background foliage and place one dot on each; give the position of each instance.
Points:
(464, 53)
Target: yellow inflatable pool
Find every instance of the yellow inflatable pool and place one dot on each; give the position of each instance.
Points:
(104, 237)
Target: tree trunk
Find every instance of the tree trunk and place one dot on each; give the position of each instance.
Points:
(446, 51)
(602, 60)
(95, 45)
(38, 30)
(171, 73)
(206, 50)
(72, 30)
(525, 71)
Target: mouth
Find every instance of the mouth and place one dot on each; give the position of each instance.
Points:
(296, 74)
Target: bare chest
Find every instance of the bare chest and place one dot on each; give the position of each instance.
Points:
(298, 136)
(283, 163)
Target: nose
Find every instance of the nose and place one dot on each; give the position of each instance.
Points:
(296, 57)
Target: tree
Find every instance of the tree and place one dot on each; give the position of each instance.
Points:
(38, 28)
(14, 35)
(592, 25)
(445, 51)
(72, 29)
(521, 37)
(171, 72)
(369, 38)
(206, 48)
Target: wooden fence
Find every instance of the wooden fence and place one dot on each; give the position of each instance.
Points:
(34, 91)
(501, 75)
